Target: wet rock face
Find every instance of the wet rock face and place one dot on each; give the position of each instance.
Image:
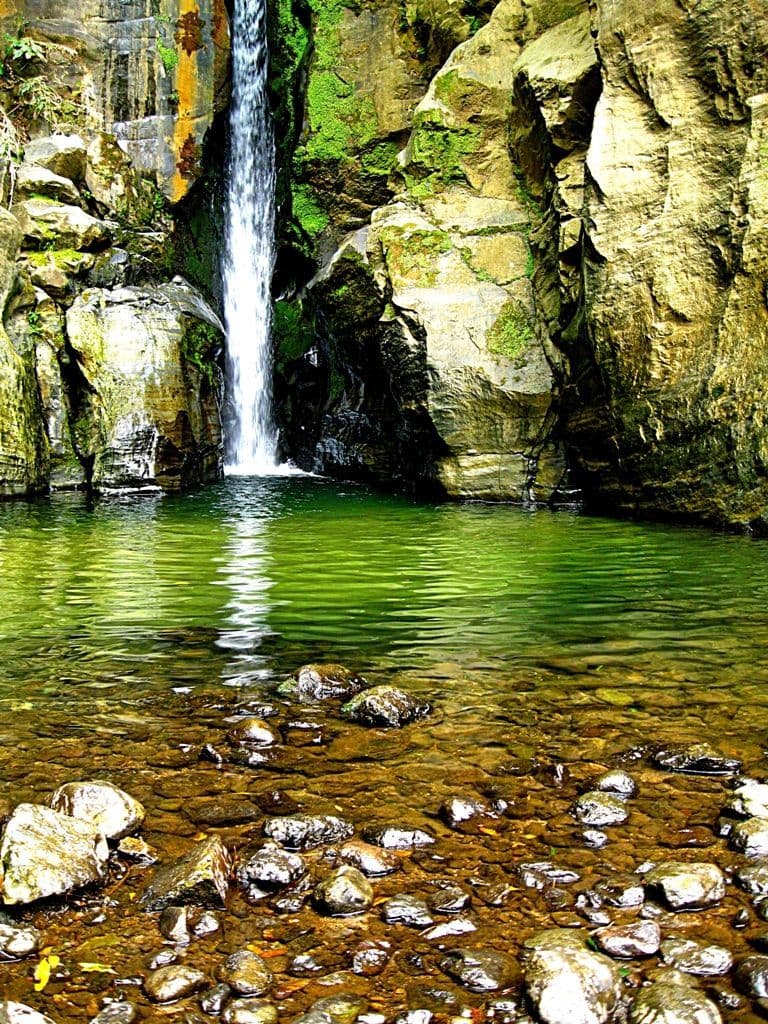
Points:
(108, 809)
(44, 853)
(200, 877)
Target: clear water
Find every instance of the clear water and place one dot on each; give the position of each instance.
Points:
(249, 257)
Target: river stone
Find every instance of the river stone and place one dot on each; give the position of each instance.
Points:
(39, 181)
(322, 682)
(17, 941)
(369, 960)
(750, 837)
(749, 800)
(44, 853)
(253, 731)
(458, 810)
(694, 759)
(249, 1011)
(541, 874)
(449, 899)
(449, 929)
(167, 984)
(173, 925)
(270, 867)
(618, 782)
(199, 877)
(336, 1009)
(627, 941)
(479, 970)
(137, 849)
(214, 999)
(393, 838)
(599, 809)
(372, 860)
(385, 706)
(753, 878)
(115, 1013)
(246, 973)
(306, 831)
(751, 976)
(344, 892)
(20, 1013)
(565, 982)
(408, 910)
(62, 154)
(108, 809)
(665, 1002)
(43, 222)
(697, 958)
(621, 891)
(688, 886)
(218, 810)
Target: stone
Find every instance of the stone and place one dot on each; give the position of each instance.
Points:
(214, 999)
(217, 811)
(116, 1013)
(39, 181)
(270, 867)
(372, 860)
(202, 922)
(664, 1002)
(249, 1011)
(391, 837)
(246, 973)
(369, 960)
(449, 929)
(199, 878)
(543, 873)
(459, 810)
(335, 1009)
(385, 706)
(19, 1013)
(319, 682)
(621, 891)
(750, 837)
(173, 925)
(17, 941)
(137, 849)
(599, 809)
(44, 222)
(64, 155)
(449, 899)
(565, 982)
(618, 782)
(408, 910)
(695, 759)
(254, 731)
(479, 970)
(167, 984)
(306, 831)
(627, 941)
(687, 886)
(697, 958)
(44, 853)
(344, 892)
(108, 809)
(753, 878)
(749, 800)
(751, 976)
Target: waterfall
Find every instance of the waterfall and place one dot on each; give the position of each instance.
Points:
(249, 253)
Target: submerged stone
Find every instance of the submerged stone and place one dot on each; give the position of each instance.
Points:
(255, 732)
(599, 809)
(479, 970)
(45, 853)
(694, 759)
(306, 831)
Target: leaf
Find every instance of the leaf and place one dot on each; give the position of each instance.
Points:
(43, 971)
(92, 968)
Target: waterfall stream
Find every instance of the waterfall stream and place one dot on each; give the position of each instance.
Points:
(249, 255)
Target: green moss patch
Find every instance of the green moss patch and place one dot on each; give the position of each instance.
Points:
(293, 330)
(412, 253)
(511, 332)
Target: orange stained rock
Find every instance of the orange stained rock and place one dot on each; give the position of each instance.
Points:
(190, 41)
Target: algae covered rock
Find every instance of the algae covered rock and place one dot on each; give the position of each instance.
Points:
(387, 706)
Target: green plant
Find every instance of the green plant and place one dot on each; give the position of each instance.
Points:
(169, 56)
(35, 324)
(198, 347)
(17, 52)
(511, 332)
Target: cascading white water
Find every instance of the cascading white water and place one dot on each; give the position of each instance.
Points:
(249, 256)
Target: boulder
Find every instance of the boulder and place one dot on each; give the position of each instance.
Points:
(566, 983)
(45, 223)
(44, 853)
(200, 877)
(322, 682)
(687, 886)
(39, 181)
(386, 706)
(61, 154)
(108, 809)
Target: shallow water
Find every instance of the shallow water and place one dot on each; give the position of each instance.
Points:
(132, 629)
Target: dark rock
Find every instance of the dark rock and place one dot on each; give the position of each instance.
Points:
(106, 808)
(372, 860)
(460, 810)
(621, 891)
(479, 970)
(344, 892)
(217, 811)
(618, 782)
(45, 853)
(322, 682)
(20, 1013)
(254, 732)
(276, 802)
(697, 958)
(168, 984)
(750, 837)
(214, 999)
(751, 976)
(305, 831)
(688, 886)
(17, 941)
(246, 973)
(173, 925)
(543, 873)
(393, 838)
(599, 809)
(627, 941)
(753, 878)
(249, 1011)
(449, 899)
(385, 706)
(199, 877)
(269, 868)
(694, 759)
(566, 983)
(408, 910)
(664, 1002)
